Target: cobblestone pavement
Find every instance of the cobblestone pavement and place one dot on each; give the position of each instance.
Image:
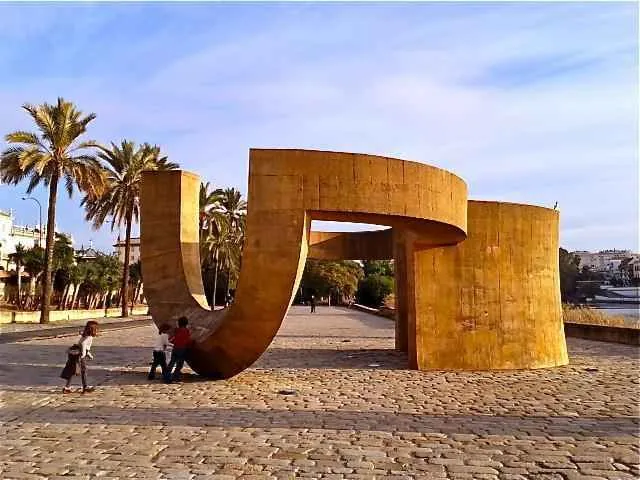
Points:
(356, 413)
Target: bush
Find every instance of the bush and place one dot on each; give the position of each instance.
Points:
(373, 289)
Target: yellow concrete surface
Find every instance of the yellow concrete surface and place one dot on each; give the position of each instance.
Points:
(373, 245)
(493, 301)
(287, 189)
(490, 301)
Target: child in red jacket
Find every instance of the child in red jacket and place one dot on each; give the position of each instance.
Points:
(181, 341)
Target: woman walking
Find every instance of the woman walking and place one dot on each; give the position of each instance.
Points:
(77, 356)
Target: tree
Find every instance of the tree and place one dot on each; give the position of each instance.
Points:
(34, 265)
(63, 255)
(373, 289)
(120, 200)
(77, 274)
(97, 280)
(569, 273)
(210, 207)
(233, 206)
(379, 267)
(53, 154)
(18, 258)
(337, 279)
(63, 259)
(135, 276)
(223, 249)
(222, 222)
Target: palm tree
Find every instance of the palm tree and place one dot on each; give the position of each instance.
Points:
(123, 167)
(77, 274)
(222, 246)
(210, 207)
(233, 206)
(46, 157)
(34, 265)
(135, 279)
(63, 259)
(18, 258)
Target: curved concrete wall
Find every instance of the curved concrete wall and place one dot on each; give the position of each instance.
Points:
(493, 301)
(367, 245)
(287, 189)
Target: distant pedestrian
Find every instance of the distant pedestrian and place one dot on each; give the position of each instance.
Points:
(181, 341)
(77, 357)
(161, 346)
(313, 303)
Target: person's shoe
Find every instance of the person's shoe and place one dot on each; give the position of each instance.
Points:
(66, 390)
(88, 389)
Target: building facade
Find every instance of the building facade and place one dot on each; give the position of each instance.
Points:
(12, 235)
(603, 260)
(616, 265)
(134, 254)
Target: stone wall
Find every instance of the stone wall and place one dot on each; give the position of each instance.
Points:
(64, 315)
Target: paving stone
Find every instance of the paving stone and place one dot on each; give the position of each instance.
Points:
(346, 420)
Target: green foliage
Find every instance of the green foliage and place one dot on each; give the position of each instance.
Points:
(222, 224)
(33, 261)
(122, 166)
(63, 255)
(100, 275)
(373, 289)
(569, 273)
(135, 273)
(339, 279)
(378, 267)
(52, 154)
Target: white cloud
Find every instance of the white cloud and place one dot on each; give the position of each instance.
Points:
(465, 89)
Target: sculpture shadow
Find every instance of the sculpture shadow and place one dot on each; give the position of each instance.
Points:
(28, 365)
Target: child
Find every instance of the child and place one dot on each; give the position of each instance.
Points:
(160, 351)
(77, 355)
(181, 340)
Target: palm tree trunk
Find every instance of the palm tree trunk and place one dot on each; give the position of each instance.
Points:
(215, 283)
(70, 293)
(63, 298)
(18, 266)
(48, 252)
(125, 273)
(137, 293)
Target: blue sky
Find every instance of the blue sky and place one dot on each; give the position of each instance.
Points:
(532, 103)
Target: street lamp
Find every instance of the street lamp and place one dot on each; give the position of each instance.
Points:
(40, 209)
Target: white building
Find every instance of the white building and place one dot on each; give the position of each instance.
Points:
(634, 267)
(134, 254)
(12, 235)
(604, 260)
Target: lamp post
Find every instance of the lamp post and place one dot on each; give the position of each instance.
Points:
(40, 210)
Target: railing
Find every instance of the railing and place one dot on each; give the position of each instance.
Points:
(26, 231)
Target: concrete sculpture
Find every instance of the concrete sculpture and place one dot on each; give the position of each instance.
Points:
(477, 282)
